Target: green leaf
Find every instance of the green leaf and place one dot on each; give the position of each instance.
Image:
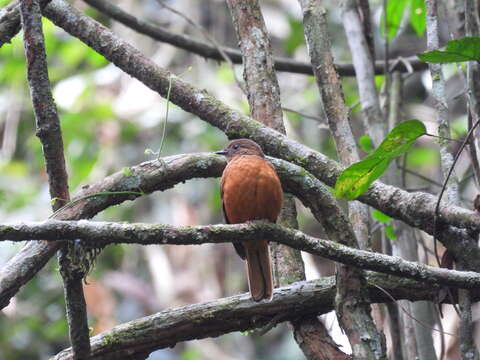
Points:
(390, 233)
(380, 216)
(465, 49)
(399, 140)
(418, 16)
(395, 13)
(356, 179)
(365, 143)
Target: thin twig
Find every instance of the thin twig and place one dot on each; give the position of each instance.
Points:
(444, 186)
(211, 39)
(313, 117)
(426, 326)
(420, 176)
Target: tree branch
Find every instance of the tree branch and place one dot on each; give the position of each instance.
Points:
(159, 176)
(363, 63)
(49, 131)
(10, 26)
(416, 209)
(104, 233)
(239, 313)
(352, 306)
(115, 189)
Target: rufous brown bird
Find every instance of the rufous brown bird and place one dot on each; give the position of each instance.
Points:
(251, 190)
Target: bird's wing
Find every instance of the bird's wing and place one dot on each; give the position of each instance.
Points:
(239, 248)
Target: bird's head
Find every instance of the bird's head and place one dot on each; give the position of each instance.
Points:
(241, 147)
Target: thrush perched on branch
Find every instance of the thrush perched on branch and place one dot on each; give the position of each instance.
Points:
(251, 190)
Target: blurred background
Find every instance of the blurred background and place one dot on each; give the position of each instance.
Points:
(109, 120)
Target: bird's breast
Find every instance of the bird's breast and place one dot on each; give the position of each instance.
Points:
(251, 190)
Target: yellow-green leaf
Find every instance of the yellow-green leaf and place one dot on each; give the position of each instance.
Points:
(356, 179)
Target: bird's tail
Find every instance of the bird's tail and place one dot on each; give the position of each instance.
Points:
(259, 267)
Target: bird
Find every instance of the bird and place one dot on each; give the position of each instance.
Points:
(251, 190)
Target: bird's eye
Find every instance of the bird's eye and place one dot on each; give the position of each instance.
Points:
(236, 146)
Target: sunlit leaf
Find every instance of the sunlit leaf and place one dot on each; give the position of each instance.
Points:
(465, 49)
(399, 140)
(390, 233)
(418, 16)
(380, 216)
(395, 13)
(365, 143)
(356, 179)
(353, 181)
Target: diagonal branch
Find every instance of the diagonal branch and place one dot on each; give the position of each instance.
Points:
(239, 313)
(159, 176)
(49, 132)
(115, 189)
(416, 209)
(10, 26)
(104, 233)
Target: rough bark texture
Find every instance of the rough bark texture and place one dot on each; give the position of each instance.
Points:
(238, 313)
(49, 131)
(467, 346)
(352, 306)
(416, 209)
(104, 233)
(115, 189)
(263, 94)
(472, 25)
(315, 341)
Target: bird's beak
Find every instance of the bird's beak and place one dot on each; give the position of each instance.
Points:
(222, 152)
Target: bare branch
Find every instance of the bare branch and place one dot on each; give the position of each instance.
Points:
(238, 313)
(10, 26)
(263, 93)
(351, 304)
(49, 132)
(472, 25)
(114, 189)
(104, 233)
(450, 184)
(363, 63)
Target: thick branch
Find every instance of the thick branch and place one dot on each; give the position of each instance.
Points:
(353, 308)
(104, 233)
(239, 313)
(115, 189)
(47, 122)
(50, 134)
(263, 94)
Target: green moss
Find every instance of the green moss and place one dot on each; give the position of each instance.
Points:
(110, 339)
(5, 229)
